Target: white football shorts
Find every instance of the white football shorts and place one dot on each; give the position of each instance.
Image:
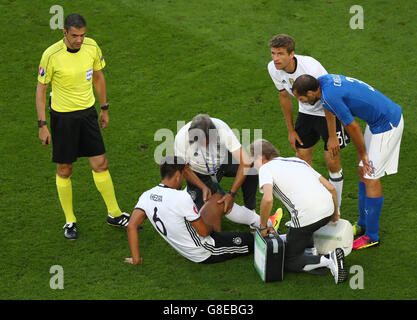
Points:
(383, 150)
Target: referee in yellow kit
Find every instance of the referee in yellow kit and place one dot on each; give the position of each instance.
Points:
(72, 65)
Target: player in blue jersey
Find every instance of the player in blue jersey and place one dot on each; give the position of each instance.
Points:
(378, 148)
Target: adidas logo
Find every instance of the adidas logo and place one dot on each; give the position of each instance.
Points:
(121, 221)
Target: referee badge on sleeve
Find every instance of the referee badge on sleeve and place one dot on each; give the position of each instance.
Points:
(89, 74)
(41, 71)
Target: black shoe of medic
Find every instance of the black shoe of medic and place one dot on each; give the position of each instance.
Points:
(121, 221)
(70, 232)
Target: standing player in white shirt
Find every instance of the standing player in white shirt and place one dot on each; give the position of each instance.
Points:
(311, 201)
(174, 215)
(284, 69)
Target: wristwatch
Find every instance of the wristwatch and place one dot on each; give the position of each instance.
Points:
(41, 123)
(105, 107)
(234, 195)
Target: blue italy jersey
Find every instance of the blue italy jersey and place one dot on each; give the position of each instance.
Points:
(347, 98)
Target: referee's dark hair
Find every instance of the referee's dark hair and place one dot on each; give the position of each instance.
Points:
(74, 20)
(171, 164)
(305, 83)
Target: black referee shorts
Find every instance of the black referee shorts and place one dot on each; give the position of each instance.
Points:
(310, 128)
(75, 134)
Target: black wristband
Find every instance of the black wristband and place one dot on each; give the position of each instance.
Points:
(41, 123)
(105, 107)
(262, 229)
(234, 195)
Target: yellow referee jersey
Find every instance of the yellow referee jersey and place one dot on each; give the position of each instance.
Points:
(71, 74)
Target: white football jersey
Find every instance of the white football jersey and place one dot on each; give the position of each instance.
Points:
(170, 211)
(214, 155)
(284, 80)
(297, 185)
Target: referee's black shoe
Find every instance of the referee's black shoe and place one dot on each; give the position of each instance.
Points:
(121, 221)
(70, 232)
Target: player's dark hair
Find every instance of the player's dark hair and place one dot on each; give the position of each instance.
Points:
(263, 147)
(74, 20)
(283, 41)
(200, 127)
(171, 164)
(305, 83)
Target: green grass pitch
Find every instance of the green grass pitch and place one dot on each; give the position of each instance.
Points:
(167, 61)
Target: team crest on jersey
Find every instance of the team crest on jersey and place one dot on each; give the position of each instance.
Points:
(195, 209)
(237, 241)
(89, 74)
(193, 194)
(291, 81)
(41, 71)
(156, 197)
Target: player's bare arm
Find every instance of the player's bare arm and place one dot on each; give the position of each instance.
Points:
(192, 178)
(355, 133)
(137, 218)
(333, 145)
(326, 183)
(286, 105)
(100, 86)
(266, 207)
(44, 134)
(244, 165)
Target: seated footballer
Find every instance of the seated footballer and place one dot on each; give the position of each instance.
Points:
(194, 234)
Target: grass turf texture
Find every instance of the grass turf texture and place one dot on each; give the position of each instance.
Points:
(167, 61)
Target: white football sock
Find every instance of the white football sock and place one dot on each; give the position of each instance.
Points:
(243, 215)
(336, 179)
